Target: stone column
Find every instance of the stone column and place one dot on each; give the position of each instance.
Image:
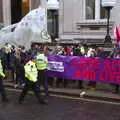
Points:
(97, 9)
(6, 12)
(1, 12)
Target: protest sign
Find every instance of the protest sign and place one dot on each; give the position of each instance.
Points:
(84, 68)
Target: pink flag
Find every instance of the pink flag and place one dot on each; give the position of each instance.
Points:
(117, 33)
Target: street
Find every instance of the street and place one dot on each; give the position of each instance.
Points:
(57, 109)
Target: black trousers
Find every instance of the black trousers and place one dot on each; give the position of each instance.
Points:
(63, 81)
(43, 80)
(92, 84)
(30, 85)
(20, 74)
(116, 88)
(2, 90)
(13, 73)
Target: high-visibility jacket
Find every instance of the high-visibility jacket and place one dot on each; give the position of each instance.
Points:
(1, 70)
(41, 62)
(31, 72)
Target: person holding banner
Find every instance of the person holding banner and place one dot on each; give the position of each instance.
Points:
(91, 53)
(77, 52)
(61, 51)
(117, 56)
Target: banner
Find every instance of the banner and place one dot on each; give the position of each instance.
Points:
(84, 68)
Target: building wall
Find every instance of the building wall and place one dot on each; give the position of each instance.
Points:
(115, 14)
(34, 4)
(69, 14)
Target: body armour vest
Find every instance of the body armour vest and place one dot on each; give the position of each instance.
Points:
(41, 62)
(31, 72)
(1, 70)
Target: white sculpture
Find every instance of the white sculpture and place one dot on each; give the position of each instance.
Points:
(32, 28)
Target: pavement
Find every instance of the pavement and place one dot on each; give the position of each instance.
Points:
(102, 92)
(56, 109)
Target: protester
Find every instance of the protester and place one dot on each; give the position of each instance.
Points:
(116, 56)
(13, 63)
(100, 52)
(7, 52)
(3, 58)
(18, 57)
(91, 53)
(2, 89)
(77, 52)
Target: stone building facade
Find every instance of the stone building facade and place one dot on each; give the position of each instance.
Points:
(79, 20)
(85, 21)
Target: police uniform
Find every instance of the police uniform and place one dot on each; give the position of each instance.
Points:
(31, 75)
(41, 64)
(2, 90)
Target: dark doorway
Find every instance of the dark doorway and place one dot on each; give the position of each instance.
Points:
(53, 23)
(19, 8)
(16, 15)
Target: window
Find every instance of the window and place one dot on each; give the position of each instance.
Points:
(90, 9)
(103, 13)
(94, 10)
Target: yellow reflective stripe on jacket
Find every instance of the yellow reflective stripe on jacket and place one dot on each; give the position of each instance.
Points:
(41, 65)
(1, 70)
(31, 73)
(41, 62)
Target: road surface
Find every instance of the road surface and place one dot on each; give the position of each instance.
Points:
(57, 109)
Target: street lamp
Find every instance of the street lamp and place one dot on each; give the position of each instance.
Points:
(108, 5)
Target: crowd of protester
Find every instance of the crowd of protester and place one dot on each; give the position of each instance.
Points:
(15, 57)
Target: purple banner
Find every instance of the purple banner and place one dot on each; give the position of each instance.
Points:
(83, 68)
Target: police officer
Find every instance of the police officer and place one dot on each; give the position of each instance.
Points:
(31, 75)
(41, 63)
(2, 90)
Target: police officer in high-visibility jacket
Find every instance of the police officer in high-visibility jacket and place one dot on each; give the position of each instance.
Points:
(2, 90)
(42, 63)
(31, 75)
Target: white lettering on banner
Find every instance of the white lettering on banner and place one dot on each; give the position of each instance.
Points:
(55, 66)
